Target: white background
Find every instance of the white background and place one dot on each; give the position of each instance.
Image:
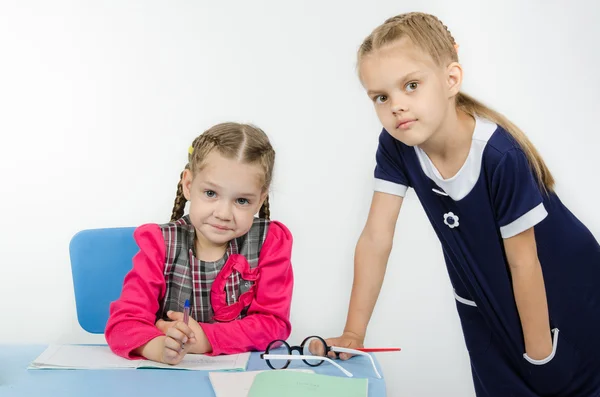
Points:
(99, 102)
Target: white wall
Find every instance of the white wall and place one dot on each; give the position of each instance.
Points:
(100, 100)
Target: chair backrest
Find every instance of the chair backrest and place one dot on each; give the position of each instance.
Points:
(100, 259)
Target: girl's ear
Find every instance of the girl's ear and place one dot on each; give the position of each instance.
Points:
(454, 78)
(186, 184)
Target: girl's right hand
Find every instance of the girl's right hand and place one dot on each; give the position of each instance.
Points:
(178, 341)
(348, 340)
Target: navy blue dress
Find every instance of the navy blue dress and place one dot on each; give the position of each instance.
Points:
(495, 196)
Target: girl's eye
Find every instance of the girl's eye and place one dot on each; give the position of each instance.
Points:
(242, 201)
(380, 99)
(410, 87)
(210, 193)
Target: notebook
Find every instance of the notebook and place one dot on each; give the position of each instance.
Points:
(101, 357)
(237, 384)
(298, 384)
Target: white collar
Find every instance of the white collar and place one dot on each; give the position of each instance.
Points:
(458, 186)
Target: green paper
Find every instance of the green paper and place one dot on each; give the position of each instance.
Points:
(298, 384)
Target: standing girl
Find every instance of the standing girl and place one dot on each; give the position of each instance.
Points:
(525, 270)
(234, 268)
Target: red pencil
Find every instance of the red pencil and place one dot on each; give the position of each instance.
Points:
(379, 349)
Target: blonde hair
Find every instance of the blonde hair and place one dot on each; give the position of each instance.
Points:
(433, 37)
(244, 142)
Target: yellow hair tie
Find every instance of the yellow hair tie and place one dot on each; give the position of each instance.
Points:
(191, 150)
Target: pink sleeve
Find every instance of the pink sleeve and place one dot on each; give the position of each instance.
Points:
(268, 316)
(132, 316)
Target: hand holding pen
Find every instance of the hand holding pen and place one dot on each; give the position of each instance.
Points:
(179, 338)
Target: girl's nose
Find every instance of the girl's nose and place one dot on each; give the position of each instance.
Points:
(399, 105)
(223, 210)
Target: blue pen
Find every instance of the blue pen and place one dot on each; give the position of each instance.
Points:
(186, 312)
(186, 315)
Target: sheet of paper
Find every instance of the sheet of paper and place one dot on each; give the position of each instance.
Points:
(101, 357)
(80, 357)
(237, 384)
(200, 362)
(298, 384)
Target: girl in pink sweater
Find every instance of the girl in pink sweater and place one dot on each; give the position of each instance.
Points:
(234, 268)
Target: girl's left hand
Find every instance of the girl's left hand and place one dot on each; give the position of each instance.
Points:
(541, 349)
(202, 345)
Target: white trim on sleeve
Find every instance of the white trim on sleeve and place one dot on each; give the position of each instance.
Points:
(464, 301)
(526, 221)
(384, 186)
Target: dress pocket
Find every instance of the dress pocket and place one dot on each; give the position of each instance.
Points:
(476, 332)
(551, 375)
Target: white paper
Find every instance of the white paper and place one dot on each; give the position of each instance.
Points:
(200, 362)
(101, 357)
(80, 357)
(237, 384)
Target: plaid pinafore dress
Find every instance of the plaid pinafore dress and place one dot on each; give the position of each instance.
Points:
(218, 291)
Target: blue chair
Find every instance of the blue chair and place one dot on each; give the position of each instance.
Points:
(100, 259)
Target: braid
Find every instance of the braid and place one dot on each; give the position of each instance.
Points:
(425, 31)
(397, 19)
(445, 28)
(180, 201)
(431, 20)
(265, 211)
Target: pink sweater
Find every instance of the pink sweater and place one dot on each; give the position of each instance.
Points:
(132, 316)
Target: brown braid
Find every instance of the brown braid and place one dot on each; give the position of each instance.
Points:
(265, 211)
(433, 37)
(180, 201)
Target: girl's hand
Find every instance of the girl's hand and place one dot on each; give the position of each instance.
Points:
(348, 339)
(541, 349)
(201, 344)
(179, 340)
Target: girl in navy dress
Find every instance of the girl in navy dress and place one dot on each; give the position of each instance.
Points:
(525, 270)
